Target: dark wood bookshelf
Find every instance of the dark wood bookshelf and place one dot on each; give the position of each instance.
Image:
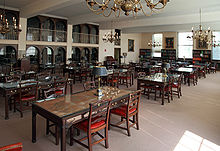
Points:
(201, 56)
(145, 55)
(168, 54)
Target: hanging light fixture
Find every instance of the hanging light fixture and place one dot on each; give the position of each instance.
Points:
(4, 25)
(111, 36)
(203, 35)
(107, 7)
(153, 44)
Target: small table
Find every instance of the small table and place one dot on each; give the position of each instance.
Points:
(157, 79)
(61, 109)
(184, 71)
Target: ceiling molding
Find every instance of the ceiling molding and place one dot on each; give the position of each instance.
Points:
(43, 7)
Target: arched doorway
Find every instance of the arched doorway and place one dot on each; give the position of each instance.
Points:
(76, 54)
(47, 56)
(60, 55)
(85, 55)
(94, 55)
(8, 55)
(33, 53)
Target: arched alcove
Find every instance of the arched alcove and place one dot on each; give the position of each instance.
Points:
(47, 56)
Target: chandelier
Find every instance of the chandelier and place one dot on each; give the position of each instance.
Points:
(154, 44)
(107, 7)
(111, 37)
(203, 35)
(4, 25)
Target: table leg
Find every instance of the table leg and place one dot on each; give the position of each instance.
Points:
(33, 126)
(63, 135)
(188, 80)
(6, 108)
(138, 85)
(163, 95)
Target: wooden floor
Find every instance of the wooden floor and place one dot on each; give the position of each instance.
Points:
(191, 123)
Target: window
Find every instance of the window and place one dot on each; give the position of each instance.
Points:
(185, 45)
(216, 50)
(156, 51)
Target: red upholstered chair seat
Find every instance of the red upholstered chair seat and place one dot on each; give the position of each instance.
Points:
(84, 124)
(122, 77)
(26, 98)
(121, 111)
(13, 147)
(113, 81)
(59, 92)
(175, 85)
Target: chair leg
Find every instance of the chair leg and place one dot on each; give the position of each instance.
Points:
(21, 108)
(137, 121)
(171, 93)
(71, 136)
(89, 141)
(47, 127)
(127, 123)
(57, 134)
(106, 138)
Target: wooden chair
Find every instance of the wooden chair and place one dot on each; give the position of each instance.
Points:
(130, 109)
(126, 78)
(192, 77)
(177, 87)
(80, 75)
(89, 85)
(167, 90)
(113, 79)
(97, 120)
(60, 86)
(202, 72)
(213, 68)
(12, 147)
(58, 90)
(27, 94)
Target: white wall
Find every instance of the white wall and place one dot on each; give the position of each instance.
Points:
(131, 56)
(105, 49)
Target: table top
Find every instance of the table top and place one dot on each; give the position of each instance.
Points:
(116, 70)
(195, 66)
(75, 104)
(19, 73)
(183, 69)
(41, 82)
(159, 77)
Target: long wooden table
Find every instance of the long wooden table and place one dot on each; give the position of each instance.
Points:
(61, 109)
(159, 79)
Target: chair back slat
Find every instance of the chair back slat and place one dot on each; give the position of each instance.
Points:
(28, 88)
(133, 102)
(99, 111)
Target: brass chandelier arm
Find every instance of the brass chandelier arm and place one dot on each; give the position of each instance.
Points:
(118, 3)
(127, 6)
(141, 7)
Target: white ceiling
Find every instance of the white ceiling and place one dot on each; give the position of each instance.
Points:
(178, 15)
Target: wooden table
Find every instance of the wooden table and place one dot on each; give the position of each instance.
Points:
(184, 71)
(10, 89)
(61, 109)
(159, 79)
